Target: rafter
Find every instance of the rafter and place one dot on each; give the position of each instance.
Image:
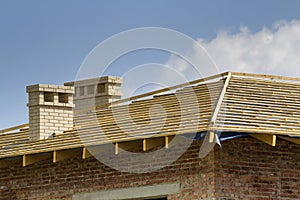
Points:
(291, 139)
(217, 109)
(31, 159)
(266, 138)
(65, 154)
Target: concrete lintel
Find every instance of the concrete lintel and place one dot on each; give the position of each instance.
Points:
(131, 193)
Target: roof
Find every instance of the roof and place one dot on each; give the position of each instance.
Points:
(263, 106)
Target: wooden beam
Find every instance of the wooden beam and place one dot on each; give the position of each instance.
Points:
(218, 108)
(96, 150)
(151, 143)
(167, 140)
(290, 139)
(265, 76)
(220, 100)
(125, 146)
(116, 148)
(266, 138)
(30, 159)
(85, 153)
(65, 154)
(13, 128)
(144, 145)
(211, 136)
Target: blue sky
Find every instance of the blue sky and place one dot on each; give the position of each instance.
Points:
(46, 41)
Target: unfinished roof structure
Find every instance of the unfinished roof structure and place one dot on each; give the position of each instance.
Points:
(233, 104)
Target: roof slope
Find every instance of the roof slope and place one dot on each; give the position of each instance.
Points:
(228, 102)
(185, 111)
(179, 117)
(257, 104)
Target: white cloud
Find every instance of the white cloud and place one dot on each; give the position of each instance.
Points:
(274, 50)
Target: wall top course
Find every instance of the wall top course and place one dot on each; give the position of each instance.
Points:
(94, 81)
(49, 88)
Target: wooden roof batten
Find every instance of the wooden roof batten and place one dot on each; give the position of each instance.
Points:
(149, 94)
(8, 130)
(242, 103)
(262, 105)
(210, 131)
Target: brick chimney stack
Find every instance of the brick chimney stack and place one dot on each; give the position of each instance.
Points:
(50, 110)
(93, 92)
(51, 106)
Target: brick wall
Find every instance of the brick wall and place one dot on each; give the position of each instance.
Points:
(244, 169)
(249, 169)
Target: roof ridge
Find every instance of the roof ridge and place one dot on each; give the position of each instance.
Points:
(265, 76)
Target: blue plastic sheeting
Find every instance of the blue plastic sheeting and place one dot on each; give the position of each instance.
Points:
(293, 136)
(223, 136)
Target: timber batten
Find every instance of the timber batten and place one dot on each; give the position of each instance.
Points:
(265, 107)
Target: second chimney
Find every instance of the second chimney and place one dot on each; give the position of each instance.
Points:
(90, 93)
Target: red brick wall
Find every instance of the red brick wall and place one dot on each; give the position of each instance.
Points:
(47, 180)
(244, 169)
(249, 169)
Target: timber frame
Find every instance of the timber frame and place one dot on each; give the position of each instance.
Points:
(262, 106)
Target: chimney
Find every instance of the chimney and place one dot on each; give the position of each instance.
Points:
(51, 106)
(50, 110)
(93, 92)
